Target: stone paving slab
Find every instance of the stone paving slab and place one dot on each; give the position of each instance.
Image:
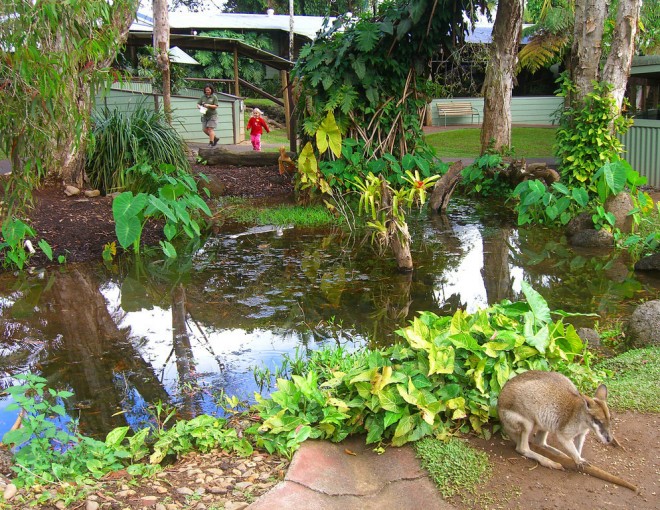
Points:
(326, 476)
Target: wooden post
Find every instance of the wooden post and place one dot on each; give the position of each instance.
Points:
(289, 107)
(285, 93)
(237, 91)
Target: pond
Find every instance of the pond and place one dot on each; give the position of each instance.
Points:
(126, 336)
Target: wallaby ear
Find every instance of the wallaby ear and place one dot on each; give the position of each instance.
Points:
(601, 392)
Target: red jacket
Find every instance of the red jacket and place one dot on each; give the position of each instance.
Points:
(256, 125)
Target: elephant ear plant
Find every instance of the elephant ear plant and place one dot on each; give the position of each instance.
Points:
(176, 199)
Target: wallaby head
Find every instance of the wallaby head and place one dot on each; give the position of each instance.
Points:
(598, 414)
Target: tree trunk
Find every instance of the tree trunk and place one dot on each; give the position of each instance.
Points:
(500, 75)
(587, 44)
(398, 236)
(617, 66)
(161, 43)
(444, 188)
(70, 151)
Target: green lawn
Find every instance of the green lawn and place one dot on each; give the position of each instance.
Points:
(527, 142)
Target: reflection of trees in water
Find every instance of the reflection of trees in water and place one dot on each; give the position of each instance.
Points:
(575, 279)
(495, 271)
(85, 351)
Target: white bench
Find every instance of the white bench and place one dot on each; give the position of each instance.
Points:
(456, 109)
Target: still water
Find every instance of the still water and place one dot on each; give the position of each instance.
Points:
(123, 337)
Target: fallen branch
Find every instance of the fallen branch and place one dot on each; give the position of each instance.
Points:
(590, 469)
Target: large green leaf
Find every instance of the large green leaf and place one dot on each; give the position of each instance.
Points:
(128, 230)
(537, 304)
(328, 135)
(125, 205)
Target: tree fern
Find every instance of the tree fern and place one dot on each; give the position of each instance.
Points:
(542, 50)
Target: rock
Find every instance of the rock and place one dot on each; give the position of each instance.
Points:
(160, 506)
(71, 191)
(91, 505)
(60, 505)
(644, 326)
(216, 187)
(590, 336)
(235, 505)
(581, 222)
(243, 485)
(620, 205)
(91, 193)
(592, 238)
(185, 491)
(148, 500)
(649, 263)
(10, 491)
(126, 493)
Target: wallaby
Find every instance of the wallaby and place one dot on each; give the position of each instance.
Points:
(549, 402)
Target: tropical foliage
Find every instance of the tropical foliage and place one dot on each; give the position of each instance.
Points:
(171, 194)
(587, 136)
(370, 72)
(221, 64)
(445, 378)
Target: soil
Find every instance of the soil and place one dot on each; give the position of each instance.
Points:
(520, 483)
(79, 227)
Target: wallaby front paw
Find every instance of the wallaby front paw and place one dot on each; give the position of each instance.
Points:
(581, 464)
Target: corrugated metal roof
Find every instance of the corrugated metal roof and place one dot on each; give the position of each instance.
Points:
(307, 26)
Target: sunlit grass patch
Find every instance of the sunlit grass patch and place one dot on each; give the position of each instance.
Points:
(296, 215)
(455, 467)
(634, 384)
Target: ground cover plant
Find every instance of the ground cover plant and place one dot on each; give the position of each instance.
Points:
(313, 216)
(454, 466)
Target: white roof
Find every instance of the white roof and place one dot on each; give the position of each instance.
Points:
(307, 26)
(178, 56)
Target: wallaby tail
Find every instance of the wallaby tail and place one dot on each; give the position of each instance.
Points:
(590, 469)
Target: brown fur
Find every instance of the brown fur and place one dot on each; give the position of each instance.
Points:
(548, 402)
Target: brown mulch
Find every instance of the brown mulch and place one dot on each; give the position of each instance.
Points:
(78, 227)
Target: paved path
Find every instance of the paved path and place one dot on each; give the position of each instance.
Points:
(325, 476)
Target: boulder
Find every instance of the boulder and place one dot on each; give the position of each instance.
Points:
(592, 238)
(620, 205)
(589, 336)
(648, 263)
(644, 326)
(582, 221)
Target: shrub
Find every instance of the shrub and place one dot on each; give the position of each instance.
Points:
(122, 140)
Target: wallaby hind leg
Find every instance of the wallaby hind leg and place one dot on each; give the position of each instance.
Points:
(525, 427)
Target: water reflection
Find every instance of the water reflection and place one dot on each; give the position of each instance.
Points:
(144, 331)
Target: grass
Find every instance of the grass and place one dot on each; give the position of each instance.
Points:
(281, 215)
(527, 142)
(455, 467)
(634, 385)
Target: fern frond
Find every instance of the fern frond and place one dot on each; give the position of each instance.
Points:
(542, 50)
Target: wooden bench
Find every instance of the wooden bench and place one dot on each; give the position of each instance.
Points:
(456, 109)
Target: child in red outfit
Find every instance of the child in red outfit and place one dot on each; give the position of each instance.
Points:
(256, 125)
